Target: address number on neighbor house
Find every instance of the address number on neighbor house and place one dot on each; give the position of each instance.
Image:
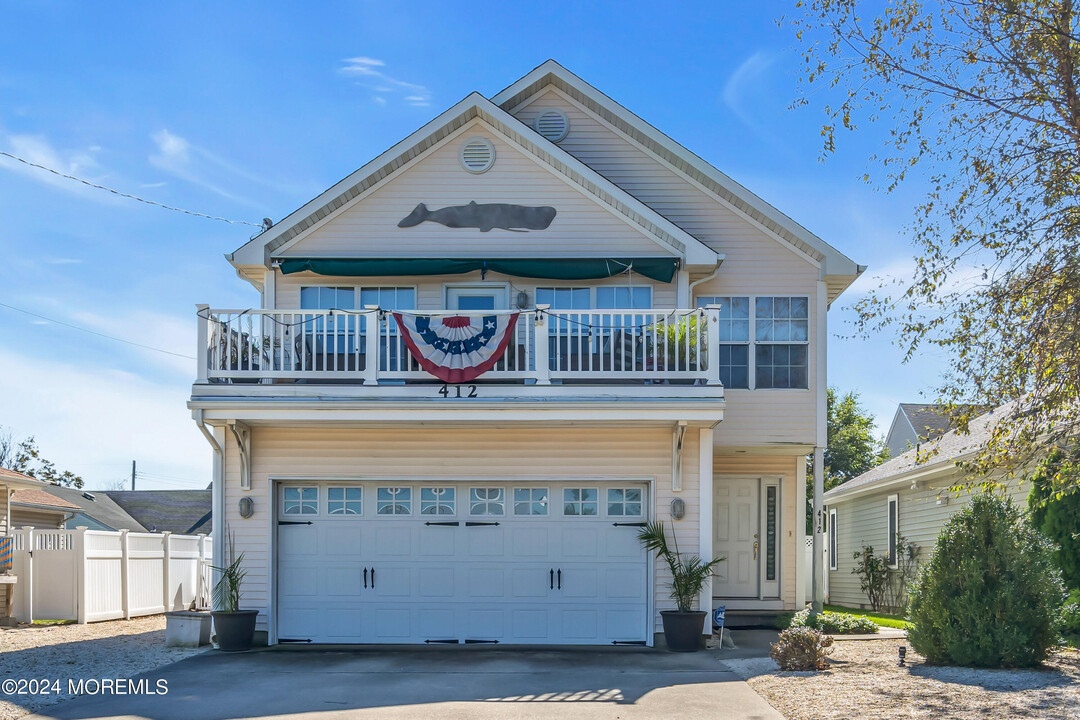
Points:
(458, 391)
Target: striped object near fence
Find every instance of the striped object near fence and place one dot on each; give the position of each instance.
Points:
(7, 552)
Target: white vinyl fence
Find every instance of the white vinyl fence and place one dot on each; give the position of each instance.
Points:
(90, 575)
(808, 567)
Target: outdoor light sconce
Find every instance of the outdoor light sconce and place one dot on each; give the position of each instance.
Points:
(522, 300)
(678, 509)
(247, 507)
(903, 654)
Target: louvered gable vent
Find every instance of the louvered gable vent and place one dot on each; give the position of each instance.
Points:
(477, 155)
(552, 124)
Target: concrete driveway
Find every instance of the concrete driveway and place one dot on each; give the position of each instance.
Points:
(431, 683)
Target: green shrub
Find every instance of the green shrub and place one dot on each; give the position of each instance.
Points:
(990, 596)
(801, 648)
(834, 623)
(1070, 619)
(1057, 513)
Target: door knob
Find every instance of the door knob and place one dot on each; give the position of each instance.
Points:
(755, 549)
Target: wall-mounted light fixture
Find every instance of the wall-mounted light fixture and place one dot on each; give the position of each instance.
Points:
(678, 509)
(247, 507)
(522, 300)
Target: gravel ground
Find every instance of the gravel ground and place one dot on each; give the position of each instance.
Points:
(865, 681)
(113, 649)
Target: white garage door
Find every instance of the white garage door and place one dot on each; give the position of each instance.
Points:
(541, 563)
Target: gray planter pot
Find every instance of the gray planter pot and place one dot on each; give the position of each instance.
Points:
(235, 630)
(683, 630)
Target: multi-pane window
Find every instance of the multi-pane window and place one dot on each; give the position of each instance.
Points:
(624, 502)
(345, 501)
(301, 501)
(781, 332)
(623, 297)
(487, 501)
(389, 298)
(530, 501)
(437, 501)
(733, 331)
(337, 332)
(580, 501)
(394, 501)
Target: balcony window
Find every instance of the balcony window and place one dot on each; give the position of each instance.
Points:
(733, 330)
(319, 330)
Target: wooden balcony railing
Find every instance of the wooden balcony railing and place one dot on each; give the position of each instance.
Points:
(365, 346)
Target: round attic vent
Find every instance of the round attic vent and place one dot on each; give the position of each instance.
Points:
(477, 155)
(552, 124)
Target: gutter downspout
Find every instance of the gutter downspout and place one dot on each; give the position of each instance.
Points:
(710, 276)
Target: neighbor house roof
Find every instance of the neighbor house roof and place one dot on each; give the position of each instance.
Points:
(940, 453)
(268, 244)
(178, 511)
(932, 421)
(97, 506)
(14, 479)
(42, 499)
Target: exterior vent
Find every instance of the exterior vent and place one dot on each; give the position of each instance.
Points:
(552, 124)
(477, 155)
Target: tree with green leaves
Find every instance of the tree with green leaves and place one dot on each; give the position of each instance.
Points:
(980, 99)
(1056, 515)
(852, 448)
(25, 457)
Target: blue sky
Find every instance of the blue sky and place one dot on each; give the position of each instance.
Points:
(247, 110)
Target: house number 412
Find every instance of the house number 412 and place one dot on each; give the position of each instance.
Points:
(455, 391)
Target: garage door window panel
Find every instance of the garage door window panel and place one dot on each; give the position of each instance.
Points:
(487, 501)
(581, 502)
(345, 501)
(530, 501)
(437, 501)
(394, 501)
(624, 502)
(300, 501)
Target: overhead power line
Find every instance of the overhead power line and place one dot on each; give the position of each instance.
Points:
(95, 332)
(127, 195)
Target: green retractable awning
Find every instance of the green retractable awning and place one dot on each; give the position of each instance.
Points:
(661, 269)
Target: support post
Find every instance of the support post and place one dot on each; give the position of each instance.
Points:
(712, 337)
(541, 339)
(800, 534)
(372, 333)
(28, 591)
(819, 491)
(705, 517)
(202, 348)
(125, 574)
(166, 546)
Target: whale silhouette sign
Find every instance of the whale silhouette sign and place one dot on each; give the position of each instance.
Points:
(484, 217)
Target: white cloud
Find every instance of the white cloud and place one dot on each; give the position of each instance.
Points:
(743, 88)
(95, 421)
(62, 261)
(367, 73)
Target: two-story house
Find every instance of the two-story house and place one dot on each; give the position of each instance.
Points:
(485, 358)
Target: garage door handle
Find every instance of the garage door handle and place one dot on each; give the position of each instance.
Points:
(365, 578)
(560, 578)
(552, 579)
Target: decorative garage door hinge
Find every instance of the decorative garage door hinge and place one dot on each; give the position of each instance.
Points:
(478, 524)
(471, 641)
(627, 642)
(447, 524)
(293, 522)
(636, 524)
(452, 641)
(294, 640)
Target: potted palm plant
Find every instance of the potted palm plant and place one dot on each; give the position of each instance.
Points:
(235, 628)
(683, 626)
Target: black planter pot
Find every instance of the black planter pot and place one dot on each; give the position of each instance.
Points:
(683, 630)
(235, 630)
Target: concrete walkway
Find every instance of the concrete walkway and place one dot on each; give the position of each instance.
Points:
(432, 683)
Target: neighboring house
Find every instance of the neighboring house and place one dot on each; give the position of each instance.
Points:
(659, 339)
(916, 423)
(10, 483)
(901, 496)
(186, 512)
(36, 508)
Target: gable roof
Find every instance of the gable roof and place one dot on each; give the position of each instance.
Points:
(930, 421)
(178, 511)
(940, 453)
(261, 248)
(99, 507)
(41, 499)
(834, 263)
(15, 479)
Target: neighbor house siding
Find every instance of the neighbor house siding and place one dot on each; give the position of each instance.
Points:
(583, 227)
(751, 466)
(440, 452)
(28, 517)
(863, 520)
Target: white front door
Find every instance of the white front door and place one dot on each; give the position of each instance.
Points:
(453, 562)
(736, 525)
(477, 297)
